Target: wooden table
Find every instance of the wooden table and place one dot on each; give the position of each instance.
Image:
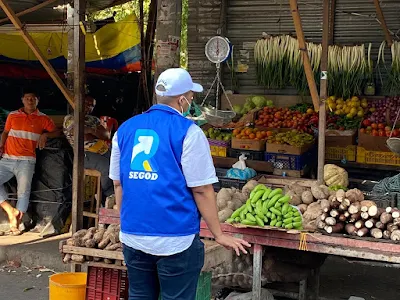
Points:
(318, 243)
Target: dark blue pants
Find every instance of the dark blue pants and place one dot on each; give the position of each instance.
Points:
(175, 275)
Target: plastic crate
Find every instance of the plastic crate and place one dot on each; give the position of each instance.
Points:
(218, 148)
(225, 182)
(289, 161)
(203, 287)
(106, 284)
(339, 153)
(251, 155)
(382, 200)
(377, 157)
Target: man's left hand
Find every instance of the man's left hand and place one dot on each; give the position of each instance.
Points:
(42, 141)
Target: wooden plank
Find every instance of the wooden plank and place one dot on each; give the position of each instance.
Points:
(257, 269)
(35, 49)
(332, 14)
(93, 252)
(323, 93)
(227, 162)
(282, 181)
(306, 59)
(381, 18)
(30, 10)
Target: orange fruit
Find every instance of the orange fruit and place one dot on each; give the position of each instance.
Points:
(252, 136)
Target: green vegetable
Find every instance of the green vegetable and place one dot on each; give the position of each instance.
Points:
(297, 224)
(266, 194)
(288, 221)
(248, 206)
(269, 214)
(237, 219)
(297, 219)
(296, 214)
(272, 201)
(250, 217)
(279, 218)
(285, 208)
(288, 215)
(230, 221)
(273, 216)
(247, 222)
(265, 206)
(266, 220)
(278, 224)
(273, 222)
(275, 211)
(284, 199)
(236, 213)
(257, 196)
(277, 205)
(243, 213)
(274, 193)
(259, 221)
(259, 213)
(289, 226)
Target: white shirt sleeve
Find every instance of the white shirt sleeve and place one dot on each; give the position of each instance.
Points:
(197, 164)
(115, 159)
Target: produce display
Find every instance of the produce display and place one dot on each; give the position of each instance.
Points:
(251, 133)
(392, 84)
(252, 103)
(218, 134)
(349, 213)
(94, 238)
(351, 108)
(292, 137)
(287, 118)
(267, 207)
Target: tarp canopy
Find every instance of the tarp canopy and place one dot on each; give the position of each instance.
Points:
(48, 14)
(113, 48)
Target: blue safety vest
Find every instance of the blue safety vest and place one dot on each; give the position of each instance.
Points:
(156, 200)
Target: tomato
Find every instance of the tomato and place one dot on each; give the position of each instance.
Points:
(381, 133)
(388, 133)
(396, 133)
(381, 126)
(375, 132)
(374, 126)
(362, 130)
(341, 128)
(367, 123)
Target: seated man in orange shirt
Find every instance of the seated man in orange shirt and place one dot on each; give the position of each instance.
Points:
(26, 129)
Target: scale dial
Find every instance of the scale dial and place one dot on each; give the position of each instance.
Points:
(218, 49)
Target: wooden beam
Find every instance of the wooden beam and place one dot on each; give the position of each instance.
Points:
(29, 10)
(306, 59)
(381, 19)
(35, 49)
(332, 15)
(79, 116)
(323, 92)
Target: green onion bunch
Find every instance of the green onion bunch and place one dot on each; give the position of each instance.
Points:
(392, 86)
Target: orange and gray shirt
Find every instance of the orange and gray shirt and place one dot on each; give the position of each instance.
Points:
(24, 131)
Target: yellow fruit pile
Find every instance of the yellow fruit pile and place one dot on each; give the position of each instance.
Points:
(350, 108)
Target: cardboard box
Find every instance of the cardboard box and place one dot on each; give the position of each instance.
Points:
(256, 145)
(372, 143)
(337, 138)
(288, 149)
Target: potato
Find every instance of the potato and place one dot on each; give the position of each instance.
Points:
(98, 236)
(307, 197)
(224, 214)
(317, 192)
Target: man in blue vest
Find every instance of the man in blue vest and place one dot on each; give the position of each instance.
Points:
(163, 174)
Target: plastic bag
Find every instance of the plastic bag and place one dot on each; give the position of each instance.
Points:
(240, 171)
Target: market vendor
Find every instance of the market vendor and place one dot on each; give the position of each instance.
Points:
(163, 174)
(97, 152)
(25, 130)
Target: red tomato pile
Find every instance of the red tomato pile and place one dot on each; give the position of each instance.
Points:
(378, 129)
(273, 117)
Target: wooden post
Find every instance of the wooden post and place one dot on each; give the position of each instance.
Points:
(169, 25)
(257, 269)
(35, 49)
(323, 92)
(303, 48)
(30, 10)
(78, 180)
(332, 14)
(381, 19)
(70, 60)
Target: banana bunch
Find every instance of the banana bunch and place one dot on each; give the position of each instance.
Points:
(267, 207)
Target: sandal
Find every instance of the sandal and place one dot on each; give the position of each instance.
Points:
(14, 231)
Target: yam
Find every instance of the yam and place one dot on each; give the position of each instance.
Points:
(78, 258)
(114, 237)
(307, 197)
(366, 204)
(313, 211)
(355, 195)
(67, 258)
(386, 234)
(335, 228)
(340, 195)
(224, 214)
(330, 221)
(98, 236)
(89, 234)
(325, 190)
(362, 232)
(317, 192)
(96, 259)
(108, 261)
(239, 198)
(90, 243)
(113, 247)
(395, 235)
(325, 205)
(297, 189)
(80, 233)
(294, 198)
(104, 242)
(354, 208)
(350, 229)
(223, 196)
(249, 186)
(376, 233)
(302, 207)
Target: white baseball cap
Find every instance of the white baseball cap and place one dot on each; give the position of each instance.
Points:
(175, 82)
